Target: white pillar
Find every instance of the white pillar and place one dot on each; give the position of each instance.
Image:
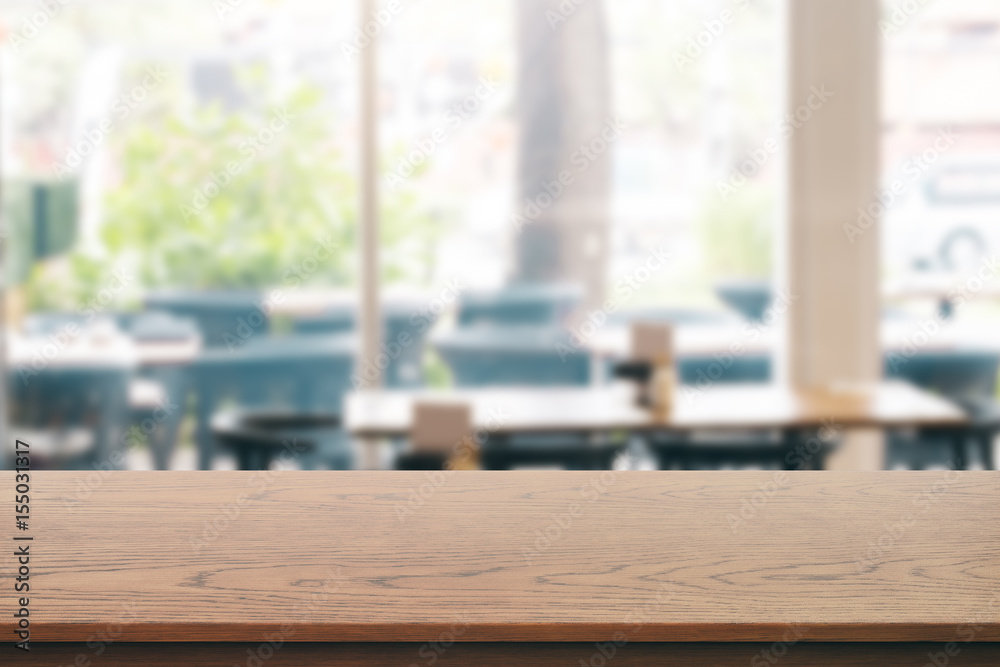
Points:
(833, 171)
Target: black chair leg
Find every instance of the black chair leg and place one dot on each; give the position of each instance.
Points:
(986, 447)
(789, 460)
(958, 450)
(248, 458)
(413, 461)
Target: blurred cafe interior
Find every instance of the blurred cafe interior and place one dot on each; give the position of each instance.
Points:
(503, 234)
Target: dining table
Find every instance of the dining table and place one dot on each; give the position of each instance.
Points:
(514, 410)
(802, 416)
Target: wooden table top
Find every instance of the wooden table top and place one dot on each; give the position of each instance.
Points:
(756, 339)
(107, 349)
(116, 350)
(512, 556)
(168, 352)
(719, 407)
(939, 285)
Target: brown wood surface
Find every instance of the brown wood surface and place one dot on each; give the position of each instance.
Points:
(376, 556)
(749, 406)
(101, 653)
(754, 339)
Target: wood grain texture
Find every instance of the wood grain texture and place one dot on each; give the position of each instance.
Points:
(507, 654)
(720, 407)
(405, 557)
(612, 342)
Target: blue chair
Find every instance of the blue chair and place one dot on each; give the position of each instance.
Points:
(295, 374)
(61, 397)
(223, 316)
(750, 298)
(744, 368)
(518, 305)
(173, 380)
(968, 377)
(158, 326)
(404, 331)
(952, 373)
(677, 316)
(523, 355)
(507, 356)
(333, 320)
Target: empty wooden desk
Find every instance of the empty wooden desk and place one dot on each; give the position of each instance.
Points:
(563, 568)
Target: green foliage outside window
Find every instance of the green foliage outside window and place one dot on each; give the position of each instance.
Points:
(216, 199)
